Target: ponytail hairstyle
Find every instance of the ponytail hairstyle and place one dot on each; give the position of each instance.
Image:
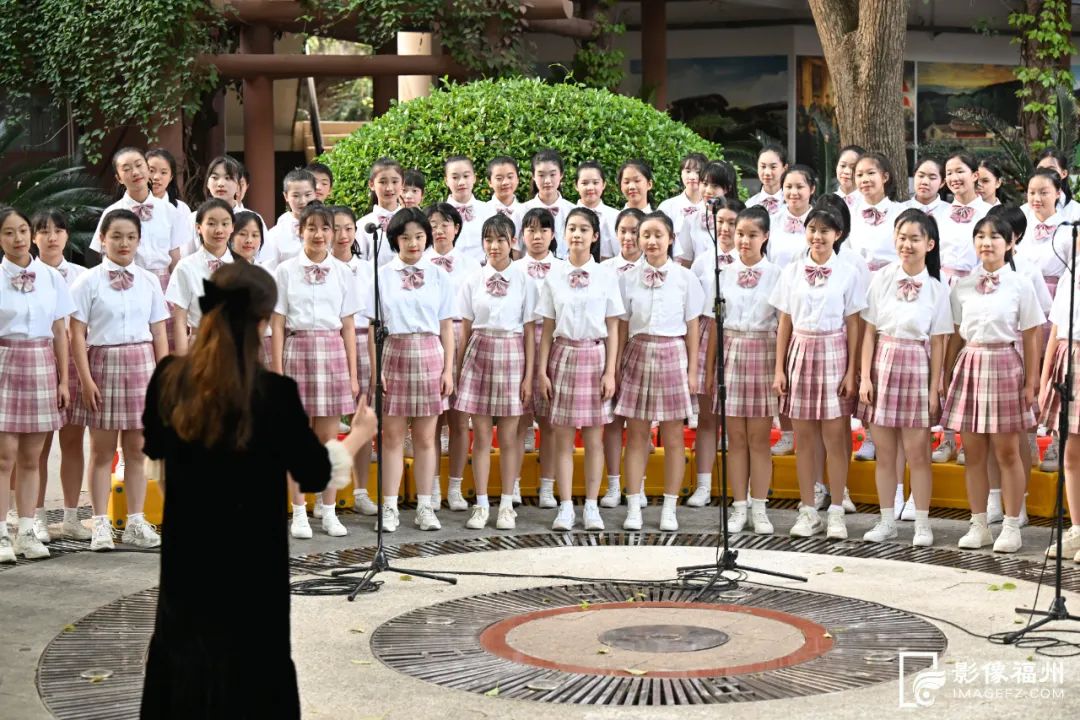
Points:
(837, 204)
(548, 155)
(928, 225)
(1063, 165)
(666, 221)
(120, 190)
(6, 212)
(206, 396)
(172, 190)
(885, 166)
(774, 148)
(642, 167)
(593, 220)
(1002, 227)
(449, 212)
(348, 212)
(384, 163)
(722, 174)
(760, 216)
(1014, 216)
(590, 165)
(240, 221)
(808, 175)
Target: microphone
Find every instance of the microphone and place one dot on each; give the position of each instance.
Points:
(370, 228)
(713, 202)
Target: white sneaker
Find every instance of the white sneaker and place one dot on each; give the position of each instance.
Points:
(1023, 517)
(821, 496)
(7, 551)
(961, 458)
(141, 534)
(924, 536)
(530, 441)
(517, 491)
(994, 511)
(977, 536)
(1050, 461)
(642, 498)
(317, 512)
(565, 519)
(785, 445)
(478, 518)
(1070, 543)
(331, 525)
(847, 503)
(75, 530)
(27, 545)
(391, 519)
(908, 513)
(425, 518)
(700, 497)
(363, 503)
(456, 501)
(866, 451)
(102, 537)
(547, 498)
(13, 518)
(436, 496)
(760, 520)
(444, 441)
(898, 502)
(881, 532)
(592, 518)
(633, 517)
(300, 528)
(41, 526)
(837, 527)
(1033, 448)
(946, 450)
(1008, 540)
(668, 521)
(808, 523)
(507, 519)
(612, 497)
(736, 520)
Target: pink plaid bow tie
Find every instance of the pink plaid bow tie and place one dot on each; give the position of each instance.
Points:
(690, 210)
(626, 268)
(539, 270)
(63, 272)
(465, 211)
(553, 210)
(1043, 231)
(816, 276)
(143, 211)
(444, 261)
(121, 279)
(707, 221)
(724, 259)
(24, 281)
(296, 227)
(497, 285)
(654, 278)
(412, 278)
(384, 221)
(962, 214)
(579, 279)
(873, 216)
(748, 278)
(770, 204)
(988, 283)
(907, 289)
(214, 264)
(315, 274)
(505, 211)
(793, 225)
(850, 199)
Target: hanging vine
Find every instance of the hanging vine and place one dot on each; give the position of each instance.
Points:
(1045, 30)
(596, 63)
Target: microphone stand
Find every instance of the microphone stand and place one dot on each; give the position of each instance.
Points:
(379, 563)
(728, 559)
(1057, 609)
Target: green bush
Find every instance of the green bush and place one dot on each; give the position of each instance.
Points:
(516, 117)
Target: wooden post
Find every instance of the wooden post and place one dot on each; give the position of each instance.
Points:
(259, 125)
(654, 51)
(384, 88)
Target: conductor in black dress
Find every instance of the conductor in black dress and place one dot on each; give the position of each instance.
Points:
(228, 431)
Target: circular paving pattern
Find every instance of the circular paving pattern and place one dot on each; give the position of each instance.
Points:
(547, 644)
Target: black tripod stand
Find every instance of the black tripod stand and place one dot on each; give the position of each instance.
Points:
(1057, 609)
(728, 559)
(379, 563)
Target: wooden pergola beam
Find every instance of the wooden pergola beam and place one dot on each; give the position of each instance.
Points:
(277, 67)
(278, 13)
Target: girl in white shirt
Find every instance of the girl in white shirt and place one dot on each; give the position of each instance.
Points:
(162, 170)
(347, 250)
(658, 374)
(460, 176)
(417, 308)
(34, 301)
(871, 234)
(581, 306)
(991, 388)
(819, 299)
(845, 174)
(314, 343)
(929, 177)
(988, 182)
(687, 206)
(547, 177)
(629, 257)
(538, 235)
(1047, 239)
(704, 269)
(590, 184)
(787, 231)
(283, 241)
(384, 182)
(504, 177)
(445, 253)
(117, 338)
(1055, 160)
(244, 243)
(635, 178)
(223, 177)
(749, 366)
(498, 305)
(214, 220)
(50, 230)
(694, 231)
(908, 319)
(771, 166)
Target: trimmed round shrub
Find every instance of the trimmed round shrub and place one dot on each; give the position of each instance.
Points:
(516, 117)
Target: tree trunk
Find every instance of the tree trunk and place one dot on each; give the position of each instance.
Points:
(1034, 122)
(863, 42)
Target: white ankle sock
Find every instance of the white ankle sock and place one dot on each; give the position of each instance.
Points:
(670, 501)
(591, 504)
(836, 508)
(613, 481)
(979, 518)
(757, 504)
(547, 485)
(704, 480)
(390, 501)
(26, 525)
(922, 516)
(566, 506)
(133, 518)
(507, 500)
(482, 501)
(71, 514)
(422, 500)
(454, 485)
(297, 510)
(888, 517)
(739, 505)
(1013, 522)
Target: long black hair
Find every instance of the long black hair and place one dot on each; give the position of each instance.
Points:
(929, 228)
(172, 190)
(1002, 227)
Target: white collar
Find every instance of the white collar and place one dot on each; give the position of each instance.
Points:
(207, 255)
(12, 269)
(130, 202)
(489, 270)
(305, 260)
(112, 267)
(450, 199)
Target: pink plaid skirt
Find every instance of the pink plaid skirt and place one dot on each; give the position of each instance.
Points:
(363, 364)
(749, 369)
(986, 394)
(901, 377)
(706, 326)
(491, 374)
(265, 351)
(316, 360)
(1050, 400)
(654, 384)
(538, 406)
(74, 389)
(170, 331)
(28, 380)
(816, 363)
(412, 376)
(576, 368)
(122, 374)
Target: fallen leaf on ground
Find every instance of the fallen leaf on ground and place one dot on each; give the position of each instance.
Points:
(603, 651)
(493, 692)
(635, 671)
(838, 569)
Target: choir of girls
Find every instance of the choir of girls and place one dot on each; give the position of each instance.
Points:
(582, 319)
